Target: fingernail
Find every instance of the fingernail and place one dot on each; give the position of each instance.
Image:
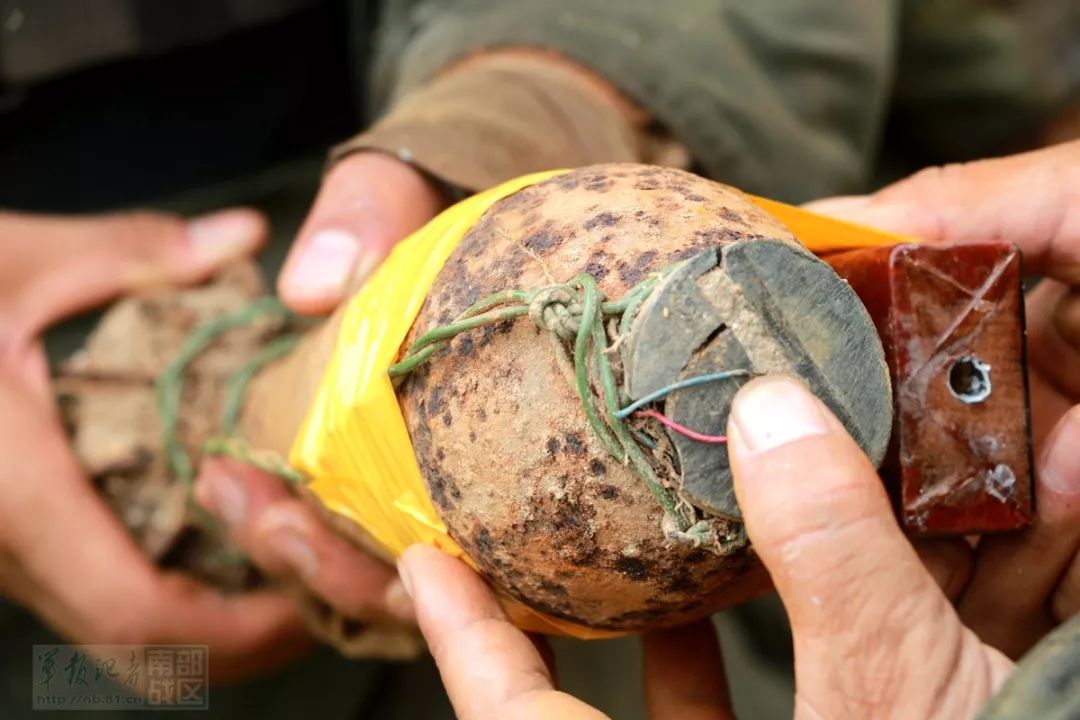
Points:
(1060, 466)
(225, 234)
(324, 265)
(224, 495)
(773, 411)
(290, 541)
(398, 601)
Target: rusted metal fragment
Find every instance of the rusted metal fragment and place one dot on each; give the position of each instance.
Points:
(704, 468)
(766, 307)
(951, 320)
(672, 323)
(791, 305)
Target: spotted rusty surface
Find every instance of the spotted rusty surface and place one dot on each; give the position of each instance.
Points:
(509, 460)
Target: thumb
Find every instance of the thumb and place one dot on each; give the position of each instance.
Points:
(815, 509)
(867, 619)
(489, 667)
(56, 266)
(368, 202)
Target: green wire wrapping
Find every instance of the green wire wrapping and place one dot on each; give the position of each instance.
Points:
(574, 313)
(578, 302)
(237, 449)
(238, 381)
(170, 383)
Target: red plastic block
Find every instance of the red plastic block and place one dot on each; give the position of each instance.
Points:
(951, 319)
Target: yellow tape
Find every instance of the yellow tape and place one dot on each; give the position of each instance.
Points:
(822, 234)
(354, 446)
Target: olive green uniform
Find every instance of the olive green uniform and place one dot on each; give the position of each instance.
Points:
(794, 100)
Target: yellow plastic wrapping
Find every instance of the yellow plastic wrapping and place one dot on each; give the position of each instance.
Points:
(354, 447)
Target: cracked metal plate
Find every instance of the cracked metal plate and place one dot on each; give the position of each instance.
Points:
(767, 307)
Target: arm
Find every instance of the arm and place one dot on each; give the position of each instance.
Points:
(774, 98)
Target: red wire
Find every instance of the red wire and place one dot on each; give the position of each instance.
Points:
(692, 434)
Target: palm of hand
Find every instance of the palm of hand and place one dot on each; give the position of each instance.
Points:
(89, 581)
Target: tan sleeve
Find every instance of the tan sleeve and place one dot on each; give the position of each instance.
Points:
(502, 115)
(778, 98)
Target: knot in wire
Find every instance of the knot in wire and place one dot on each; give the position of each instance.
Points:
(558, 310)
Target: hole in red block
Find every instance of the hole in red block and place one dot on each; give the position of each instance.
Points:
(969, 380)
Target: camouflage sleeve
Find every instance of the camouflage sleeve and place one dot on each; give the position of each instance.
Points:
(779, 98)
(1046, 681)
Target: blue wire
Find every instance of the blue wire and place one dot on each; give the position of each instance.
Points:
(689, 382)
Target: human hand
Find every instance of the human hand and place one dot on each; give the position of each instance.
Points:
(490, 111)
(63, 554)
(368, 202)
(493, 670)
(482, 120)
(286, 538)
(1014, 588)
(874, 636)
(478, 123)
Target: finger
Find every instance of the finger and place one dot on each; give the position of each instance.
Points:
(29, 365)
(819, 518)
(1028, 199)
(949, 561)
(489, 667)
(1066, 601)
(1053, 337)
(1006, 601)
(75, 263)
(247, 633)
(70, 560)
(286, 538)
(548, 655)
(1066, 318)
(684, 674)
(815, 509)
(237, 493)
(368, 202)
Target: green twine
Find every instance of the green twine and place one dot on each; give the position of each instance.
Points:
(170, 383)
(238, 381)
(557, 308)
(631, 450)
(578, 302)
(267, 462)
(169, 389)
(519, 301)
(430, 343)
